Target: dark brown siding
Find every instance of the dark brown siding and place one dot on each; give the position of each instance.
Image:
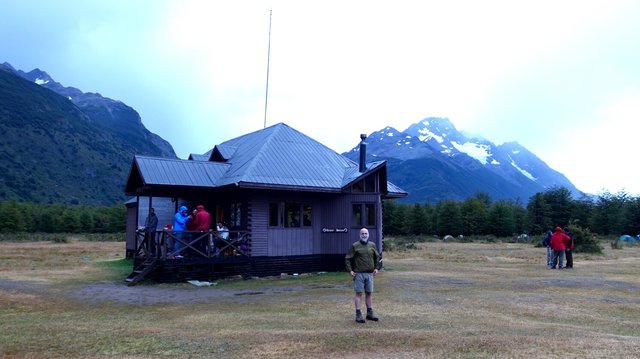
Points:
(337, 214)
(259, 221)
(278, 241)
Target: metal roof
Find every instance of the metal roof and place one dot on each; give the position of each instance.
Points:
(164, 171)
(198, 157)
(275, 157)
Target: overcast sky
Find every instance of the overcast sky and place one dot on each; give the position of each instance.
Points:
(562, 78)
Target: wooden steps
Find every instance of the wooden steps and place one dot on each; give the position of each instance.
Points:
(141, 272)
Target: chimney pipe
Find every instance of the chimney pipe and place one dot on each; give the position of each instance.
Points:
(363, 153)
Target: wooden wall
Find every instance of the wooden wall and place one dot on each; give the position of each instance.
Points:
(329, 212)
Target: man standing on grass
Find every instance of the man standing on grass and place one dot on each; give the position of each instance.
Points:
(558, 238)
(362, 262)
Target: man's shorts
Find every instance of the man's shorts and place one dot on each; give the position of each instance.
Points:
(363, 282)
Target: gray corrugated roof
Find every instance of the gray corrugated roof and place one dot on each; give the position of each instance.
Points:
(395, 191)
(198, 157)
(163, 171)
(277, 156)
(281, 155)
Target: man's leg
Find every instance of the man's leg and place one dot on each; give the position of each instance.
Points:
(368, 299)
(358, 303)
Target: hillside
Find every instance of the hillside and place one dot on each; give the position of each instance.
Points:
(54, 152)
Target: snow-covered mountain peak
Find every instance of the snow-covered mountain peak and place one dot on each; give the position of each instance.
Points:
(507, 167)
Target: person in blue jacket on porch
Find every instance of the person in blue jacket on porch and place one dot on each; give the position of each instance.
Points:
(179, 225)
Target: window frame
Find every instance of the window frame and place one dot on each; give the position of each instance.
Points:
(364, 214)
(302, 210)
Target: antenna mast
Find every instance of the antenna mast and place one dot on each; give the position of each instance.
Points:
(266, 95)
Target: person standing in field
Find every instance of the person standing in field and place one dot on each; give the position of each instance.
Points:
(547, 243)
(362, 261)
(568, 252)
(558, 239)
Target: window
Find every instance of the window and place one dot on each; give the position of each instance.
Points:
(235, 215)
(290, 215)
(306, 215)
(363, 215)
(370, 214)
(368, 185)
(274, 215)
(356, 215)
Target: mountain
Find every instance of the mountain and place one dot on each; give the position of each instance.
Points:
(434, 161)
(61, 145)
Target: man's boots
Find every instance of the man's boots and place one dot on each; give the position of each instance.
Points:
(359, 317)
(371, 316)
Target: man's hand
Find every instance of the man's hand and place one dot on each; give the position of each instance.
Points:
(375, 271)
(353, 274)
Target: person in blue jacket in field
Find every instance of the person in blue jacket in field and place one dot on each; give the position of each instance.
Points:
(547, 243)
(179, 225)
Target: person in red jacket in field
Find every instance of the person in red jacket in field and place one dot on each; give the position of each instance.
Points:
(558, 240)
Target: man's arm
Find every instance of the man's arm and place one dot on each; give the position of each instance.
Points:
(348, 258)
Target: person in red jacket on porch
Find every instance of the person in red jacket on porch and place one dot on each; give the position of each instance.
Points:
(558, 240)
(202, 219)
(201, 222)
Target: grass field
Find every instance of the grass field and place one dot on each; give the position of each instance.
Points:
(440, 300)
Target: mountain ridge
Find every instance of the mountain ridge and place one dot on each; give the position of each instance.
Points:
(56, 150)
(415, 157)
(67, 146)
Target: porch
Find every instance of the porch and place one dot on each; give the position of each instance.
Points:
(207, 255)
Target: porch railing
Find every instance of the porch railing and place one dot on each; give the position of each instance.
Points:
(169, 244)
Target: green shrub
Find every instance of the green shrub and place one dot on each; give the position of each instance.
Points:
(585, 241)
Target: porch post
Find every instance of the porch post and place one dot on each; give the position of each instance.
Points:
(379, 223)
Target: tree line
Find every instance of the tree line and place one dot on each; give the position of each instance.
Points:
(60, 218)
(604, 214)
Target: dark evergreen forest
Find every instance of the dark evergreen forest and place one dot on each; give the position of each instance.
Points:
(604, 214)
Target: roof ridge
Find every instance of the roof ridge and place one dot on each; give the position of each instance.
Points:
(256, 159)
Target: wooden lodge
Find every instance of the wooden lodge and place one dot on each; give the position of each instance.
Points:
(291, 204)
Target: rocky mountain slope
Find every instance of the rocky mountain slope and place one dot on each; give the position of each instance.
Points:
(63, 146)
(433, 161)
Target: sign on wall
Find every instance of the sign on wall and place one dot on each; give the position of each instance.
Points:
(335, 230)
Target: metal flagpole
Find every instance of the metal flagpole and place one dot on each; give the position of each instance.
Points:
(266, 95)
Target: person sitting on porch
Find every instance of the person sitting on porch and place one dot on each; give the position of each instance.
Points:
(222, 235)
(223, 231)
(179, 226)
